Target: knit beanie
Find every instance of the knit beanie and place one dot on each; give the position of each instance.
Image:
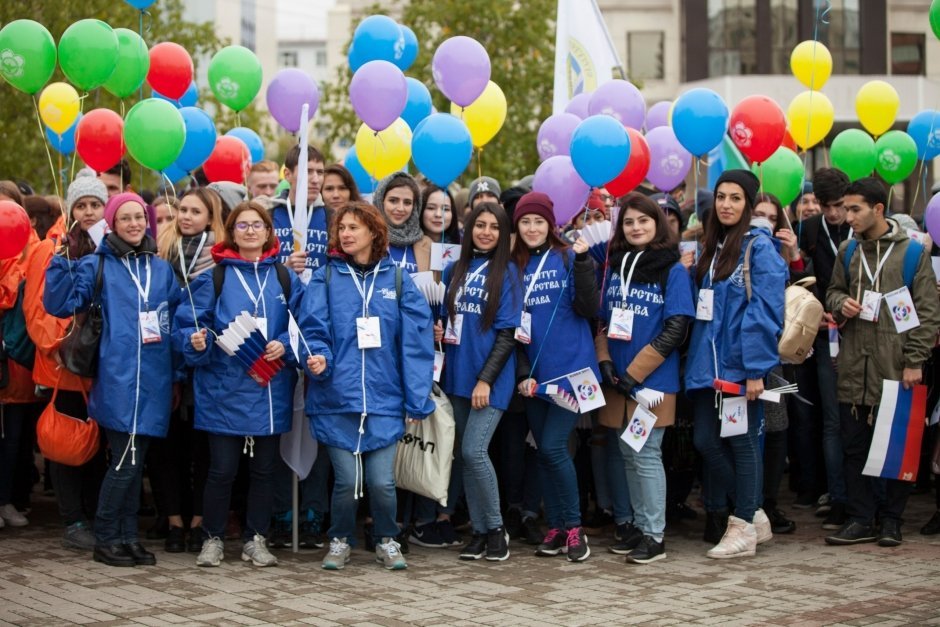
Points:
(745, 179)
(483, 184)
(115, 202)
(535, 203)
(85, 185)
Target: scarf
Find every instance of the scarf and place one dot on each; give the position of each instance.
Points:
(123, 249)
(190, 246)
(653, 266)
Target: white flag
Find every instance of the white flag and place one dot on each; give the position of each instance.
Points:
(298, 448)
(585, 56)
(301, 217)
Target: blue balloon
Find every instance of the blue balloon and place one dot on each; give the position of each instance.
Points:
(600, 149)
(411, 49)
(189, 98)
(924, 128)
(355, 59)
(379, 38)
(175, 173)
(200, 138)
(140, 5)
(252, 140)
(700, 120)
(362, 178)
(64, 143)
(419, 104)
(441, 148)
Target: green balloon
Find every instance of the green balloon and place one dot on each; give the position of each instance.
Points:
(853, 152)
(132, 64)
(235, 76)
(935, 18)
(781, 175)
(897, 156)
(154, 133)
(27, 55)
(88, 53)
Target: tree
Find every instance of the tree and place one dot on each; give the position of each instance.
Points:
(520, 40)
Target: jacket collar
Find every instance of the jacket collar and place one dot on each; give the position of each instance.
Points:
(223, 254)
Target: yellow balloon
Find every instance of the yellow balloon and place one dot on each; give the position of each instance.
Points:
(484, 116)
(58, 106)
(877, 105)
(811, 64)
(385, 152)
(809, 118)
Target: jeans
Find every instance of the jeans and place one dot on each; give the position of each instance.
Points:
(314, 488)
(475, 428)
(552, 425)
(378, 468)
(733, 467)
(831, 423)
(119, 500)
(225, 453)
(807, 422)
(12, 417)
(775, 460)
(517, 463)
(646, 479)
(621, 503)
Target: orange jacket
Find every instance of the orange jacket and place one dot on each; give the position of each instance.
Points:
(20, 388)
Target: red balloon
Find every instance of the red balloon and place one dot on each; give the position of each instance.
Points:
(757, 127)
(789, 142)
(230, 161)
(171, 69)
(637, 166)
(14, 229)
(99, 139)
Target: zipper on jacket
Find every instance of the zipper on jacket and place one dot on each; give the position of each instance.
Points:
(865, 380)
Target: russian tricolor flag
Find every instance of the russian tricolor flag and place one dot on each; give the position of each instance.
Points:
(899, 429)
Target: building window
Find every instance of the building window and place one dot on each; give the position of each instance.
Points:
(907, 53)
(784, 35)
(248, 24)
(645, 55)
(289, 58)
(732, 41)
(321, 58)
(841, 35)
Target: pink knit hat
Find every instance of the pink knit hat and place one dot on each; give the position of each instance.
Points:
(115, 202)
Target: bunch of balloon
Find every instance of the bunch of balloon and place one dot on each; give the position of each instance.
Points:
(380, 38)
(810, 115)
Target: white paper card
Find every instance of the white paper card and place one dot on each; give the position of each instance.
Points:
(733, 416)
(524, 330)
(368, 332)
(454, 330)
(587, 390)
(442, 255)
(639, 428)
(621, 324)
(871, 304)
(901, 305)
(649, 398)
(262, 324)
(438, 365)
(705, 306)
(98, 230)
(688, 247)
(150, 327)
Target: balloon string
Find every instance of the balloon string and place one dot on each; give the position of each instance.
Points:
(81, 111)
(42, 134)
(238, 118)
(480, 161)
(140, 31)
(375, 160)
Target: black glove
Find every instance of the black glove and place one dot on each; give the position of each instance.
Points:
(609, 373)
(625, 384)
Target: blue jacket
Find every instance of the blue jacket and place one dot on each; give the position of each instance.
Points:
(317, 230)
(227, 399)
(134, 387)
(744, 333)
(397, 377)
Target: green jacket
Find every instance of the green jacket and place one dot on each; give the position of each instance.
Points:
(871, 352)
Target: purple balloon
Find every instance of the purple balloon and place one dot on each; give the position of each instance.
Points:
(621, 100)
(288, 92)
(658, 115)
(557, 177)
(579, 106)
(379, 93)
(669, 161)
(554, 136)
(461, 69)
(932, 217)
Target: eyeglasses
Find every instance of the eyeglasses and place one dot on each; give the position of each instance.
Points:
(254, 226)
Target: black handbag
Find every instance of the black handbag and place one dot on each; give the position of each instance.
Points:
(79, 349)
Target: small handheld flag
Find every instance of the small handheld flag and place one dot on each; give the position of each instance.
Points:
(244, 341)
(898, 431)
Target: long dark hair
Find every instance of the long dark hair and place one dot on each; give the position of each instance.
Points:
(733, 237)
(664, 238)
(347, 178)
(451, 233)
(496, 270)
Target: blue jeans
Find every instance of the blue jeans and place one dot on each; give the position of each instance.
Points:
(732, 468)
(119, 499)
(314, 488)
(225, 453)
(621, 502)
(378, 468)
(475, 428)
(426, 510)
(552, 426)
(831, 422)
(646, 478)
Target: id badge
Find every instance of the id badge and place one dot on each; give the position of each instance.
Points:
(733, 416)
(706, 303)
(871, 304)
(524, 330)
(621, 324)
(454, 330)
(438, 365)
(368, 332)
(149, 327)
(901, 305)
(262, 324)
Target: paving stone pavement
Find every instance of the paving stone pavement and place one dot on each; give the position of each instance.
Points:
(794, 580)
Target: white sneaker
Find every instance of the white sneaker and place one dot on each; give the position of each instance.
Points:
(740, 540)
(388, 553)
(337, 556)
(762, 527)
(212, 554)
(11, 517)
(256, 552)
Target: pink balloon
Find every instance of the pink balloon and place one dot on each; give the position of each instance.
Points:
(621, 100)
(658, 115)
(378, 92)
(554, 136)
(579, 106)
(461, 69)
(932, 217)
(557, 177)
(669, 161)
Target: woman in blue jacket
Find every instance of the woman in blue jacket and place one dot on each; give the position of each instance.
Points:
(560, 298)
(482, 309)
(240, 416)
(372, 359)
(133, 391)
(734, 338)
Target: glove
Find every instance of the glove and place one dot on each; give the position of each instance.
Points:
(625, 384)
(609, 373)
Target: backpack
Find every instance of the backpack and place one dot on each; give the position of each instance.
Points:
(802, 314)
(16, 341)
(908, 269)
(283, 277)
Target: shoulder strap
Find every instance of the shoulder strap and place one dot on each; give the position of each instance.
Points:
(283, 277)
(847, 258)
(747, 267)
(99, 278)
(218, 277)
(398, 282)
(911, 258)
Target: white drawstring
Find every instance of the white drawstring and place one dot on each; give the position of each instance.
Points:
(132, 445)
(249, 446)
(3, 421)
(140, 341)
(359, 485)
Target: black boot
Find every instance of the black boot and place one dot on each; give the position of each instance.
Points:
(715, 525)
(140, 555)
(113, 555)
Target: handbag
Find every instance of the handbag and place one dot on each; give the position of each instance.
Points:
(79, 348)
(426, 452)
(65, 439)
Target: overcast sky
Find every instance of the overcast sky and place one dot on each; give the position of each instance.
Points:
(302, 19)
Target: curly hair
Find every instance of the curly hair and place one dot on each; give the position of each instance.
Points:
(370, 218)
(240, 208)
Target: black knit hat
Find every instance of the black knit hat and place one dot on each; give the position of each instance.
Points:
(744, 178)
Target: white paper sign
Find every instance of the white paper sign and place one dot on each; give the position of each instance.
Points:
(733, 416)
(587, 390)
(438, 365)
(442, 255)
(901, 306)
(98, 230)
(649, 398)
(639, 428)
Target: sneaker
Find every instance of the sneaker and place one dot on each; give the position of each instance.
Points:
(280, 535)
(427, 535)
(256, 552)
(890, 533)
(621, 531)
(497, 545)
(629, 540)
(779, 523)
(716, 523)
(338, 555)
(578, 549)
(513, 524)
(740, 540)
(311, 531)
(449, 537)
(531, 532)
(648, 550)
(212, 554)
(475, 549)
(762, 527)
(78, 536)
(555, 542)
(175, 541)
(836, 518)
(852, 533)
(388, 553)
(11, 517)
(823, 505)
(932, 527)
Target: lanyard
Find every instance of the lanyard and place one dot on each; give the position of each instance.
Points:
(711, 266)
(290, 213)
(143, 290)
(251, 295)
(192, 264)
(535, 277)
(625, 285)
(469, 280)
(366, 298)
(832, 245)
(881, 262)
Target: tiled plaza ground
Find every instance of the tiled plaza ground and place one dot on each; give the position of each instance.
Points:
(794, 580)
